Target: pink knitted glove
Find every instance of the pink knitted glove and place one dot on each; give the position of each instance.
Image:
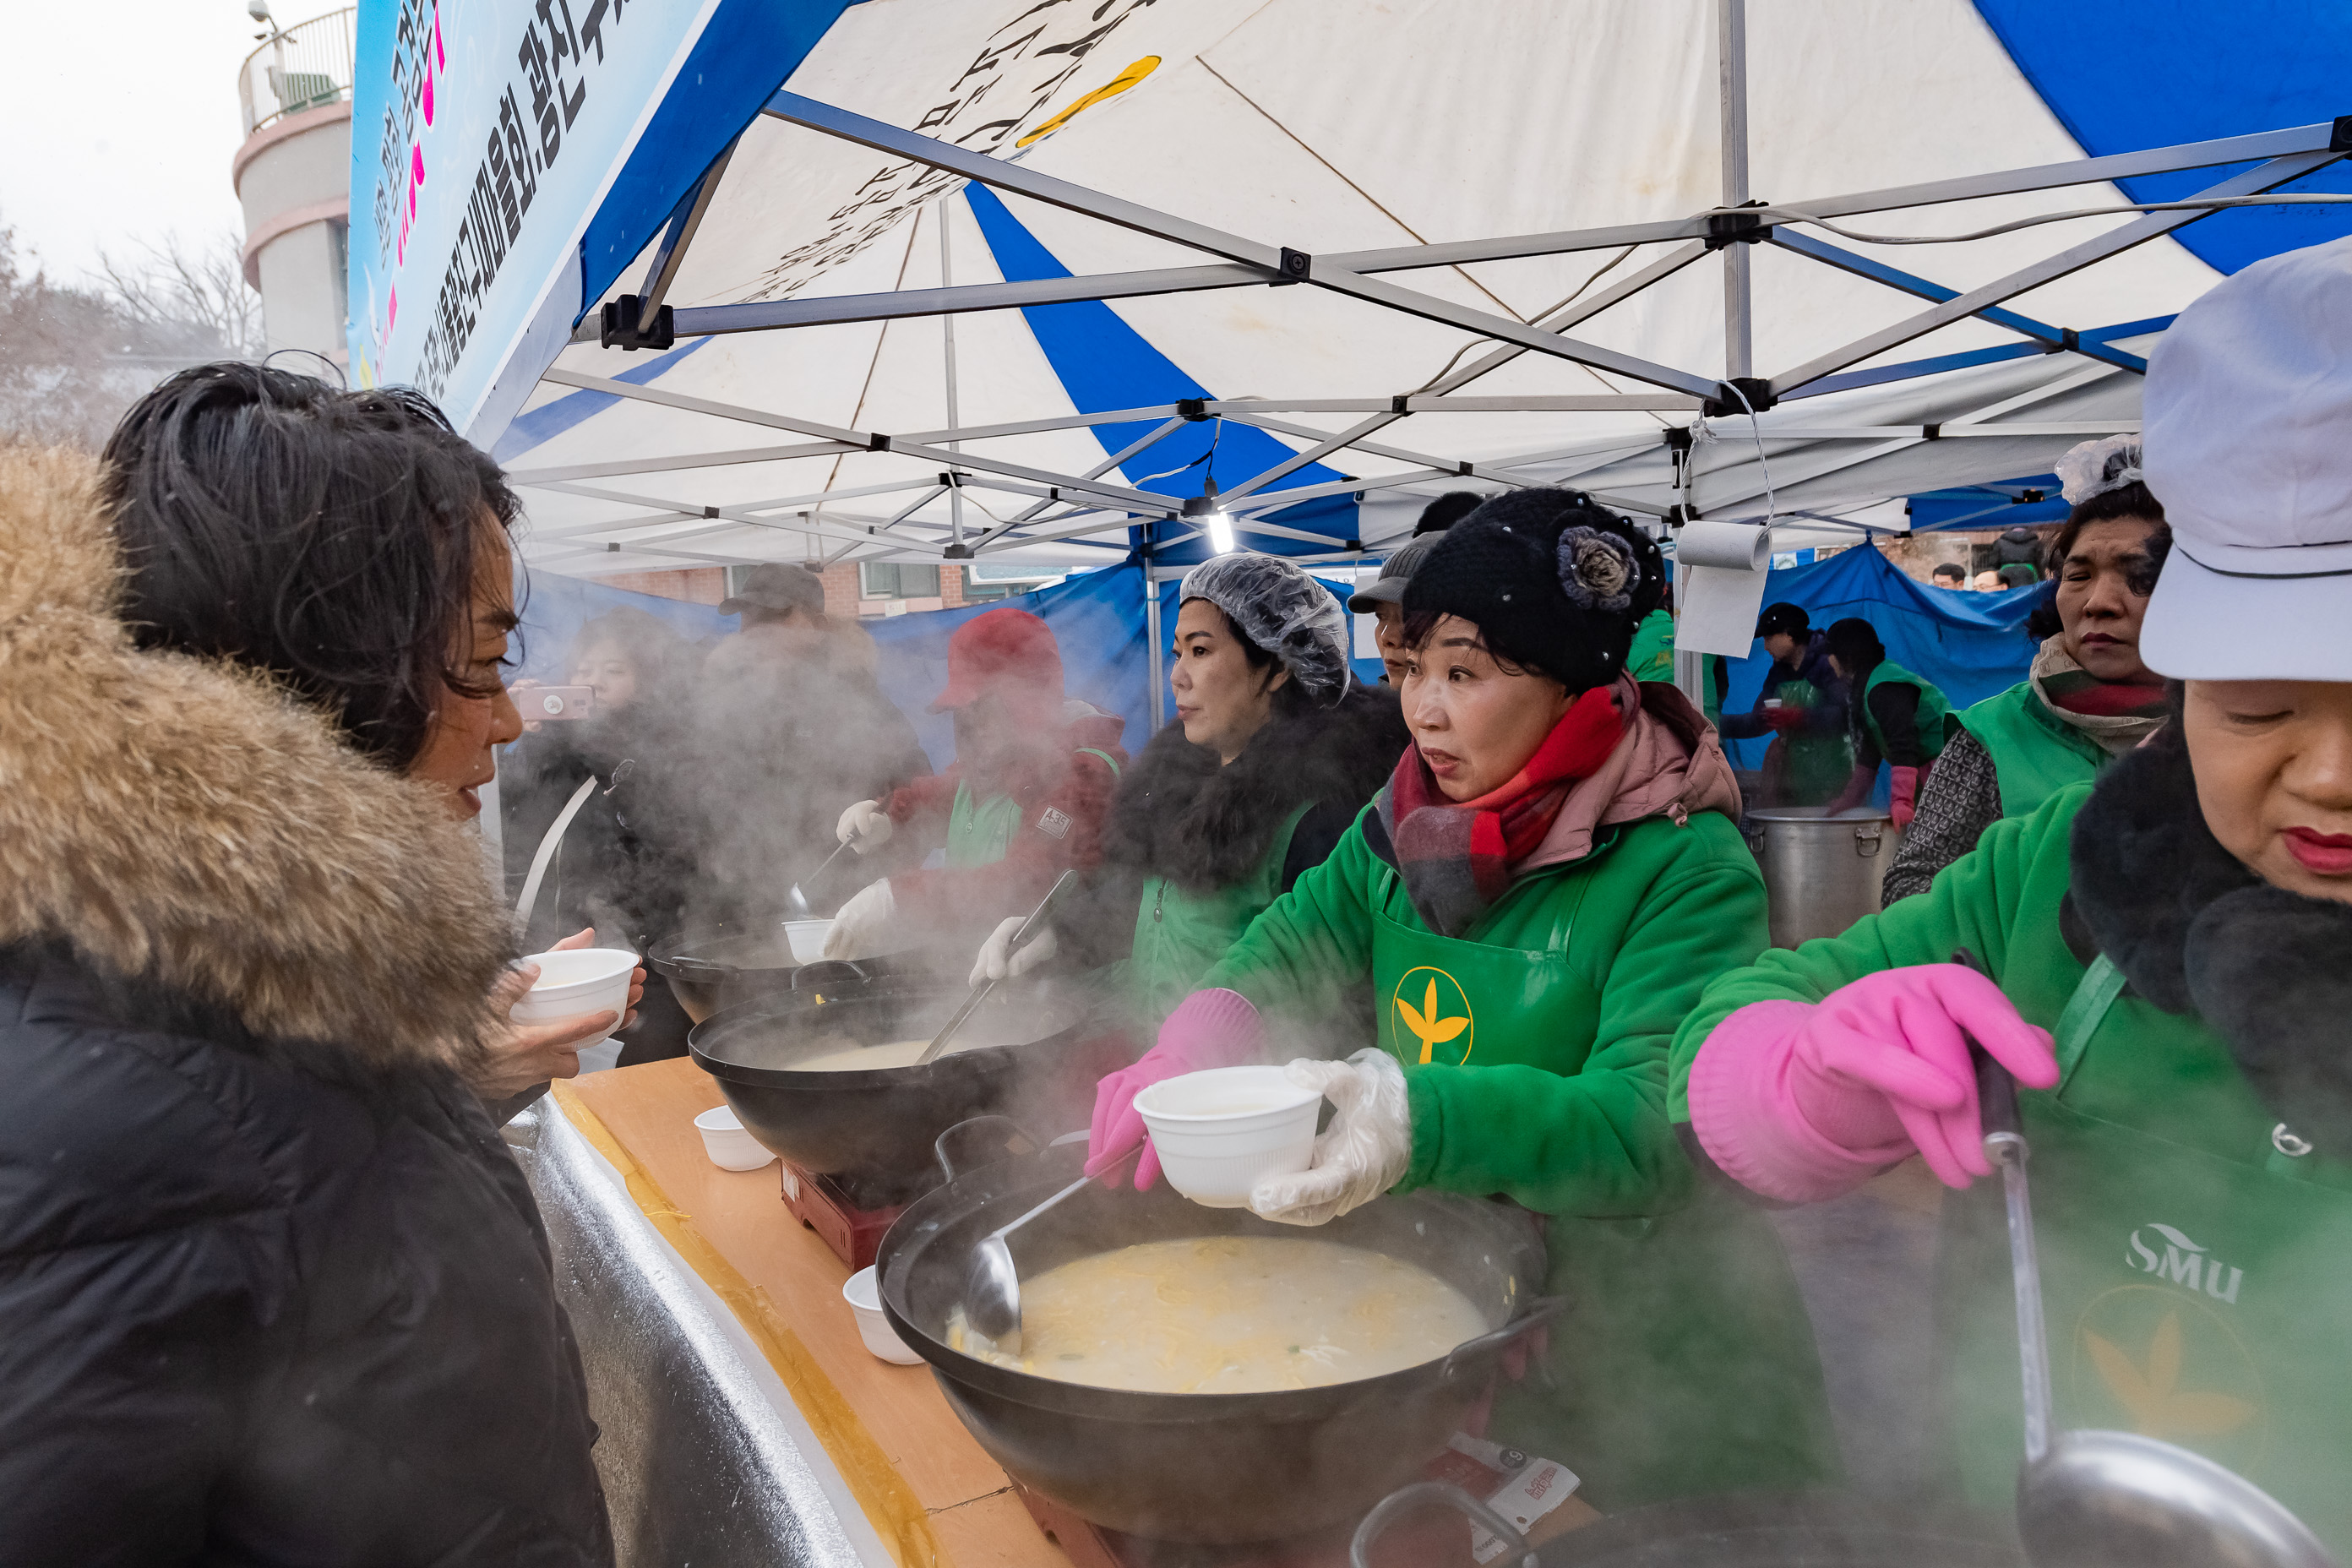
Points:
(1802, 1101)
(1902, 794)
(1208, 1029)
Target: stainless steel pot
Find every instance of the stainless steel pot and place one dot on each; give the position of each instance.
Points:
(1823, 872)
(1215, 1467)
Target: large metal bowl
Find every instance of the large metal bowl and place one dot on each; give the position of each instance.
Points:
(1215, 1467)
(1021, 1052)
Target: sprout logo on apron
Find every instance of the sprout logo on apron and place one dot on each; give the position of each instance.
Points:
(1432, 1008)
(2162, 1359)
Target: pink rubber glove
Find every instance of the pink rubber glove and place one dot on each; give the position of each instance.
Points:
(1208, 1029)
(1802, 1101)
(1904, 792)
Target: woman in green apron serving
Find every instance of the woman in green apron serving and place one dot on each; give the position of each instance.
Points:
(1534, 902)
(2088, 697)
(2168, 958)
(1274, 750)
(1895, 717)
(1022, 802)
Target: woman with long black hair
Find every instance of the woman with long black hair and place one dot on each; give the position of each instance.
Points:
(272, 1289)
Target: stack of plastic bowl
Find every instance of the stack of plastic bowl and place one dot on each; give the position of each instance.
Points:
(729, 1143)
(864, 1294)
(575, 981)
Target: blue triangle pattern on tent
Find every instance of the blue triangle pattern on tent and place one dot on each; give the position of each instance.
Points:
(1103, 363)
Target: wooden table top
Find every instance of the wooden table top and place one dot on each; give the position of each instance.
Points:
(931, 1492)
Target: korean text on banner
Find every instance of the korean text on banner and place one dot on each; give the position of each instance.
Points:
(483, 137)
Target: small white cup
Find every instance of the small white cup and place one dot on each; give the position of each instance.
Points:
(1218, 1132)
(576, 981)
(807, 937)
(729, 1143)
(1771, 702)
(864, 1294)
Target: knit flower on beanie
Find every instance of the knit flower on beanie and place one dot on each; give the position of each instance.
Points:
(1597, 570)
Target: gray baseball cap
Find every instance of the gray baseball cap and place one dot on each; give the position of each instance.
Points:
(1395, 573)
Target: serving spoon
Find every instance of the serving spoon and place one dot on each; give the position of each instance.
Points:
(797, 902)
(980, 992)
(991, 1292)
(2090, 1499)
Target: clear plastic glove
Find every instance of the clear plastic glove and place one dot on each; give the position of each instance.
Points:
(865, 827)
(1361, 1155)
(1208, 1029)
(1904, 794)
(999, 960)
(1801, 1102)
(523, 1056)
(867, 925)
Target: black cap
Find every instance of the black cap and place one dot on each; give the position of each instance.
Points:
(1551, 579)
(1447, 510)
(778, 585)
(1783, 618)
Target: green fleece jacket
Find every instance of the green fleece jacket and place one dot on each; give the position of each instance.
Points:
(1570, 1124)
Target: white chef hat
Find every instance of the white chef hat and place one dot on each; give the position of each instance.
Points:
(2247, 439)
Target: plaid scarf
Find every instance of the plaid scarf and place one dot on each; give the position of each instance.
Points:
(2116, 714)
(1456, 856)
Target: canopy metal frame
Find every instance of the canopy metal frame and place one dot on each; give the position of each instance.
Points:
(1075, 509)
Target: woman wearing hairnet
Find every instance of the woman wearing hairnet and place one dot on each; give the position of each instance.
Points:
(1274, 750)
(1551, 875)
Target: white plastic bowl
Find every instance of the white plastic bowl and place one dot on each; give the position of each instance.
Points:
(577, 981)
(1218, 1132)
(807, 937)
(864, 1294)
(730, 1145)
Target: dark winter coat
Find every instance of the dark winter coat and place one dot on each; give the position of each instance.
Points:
(1193, 850)
(272, 1291)
(624, 865)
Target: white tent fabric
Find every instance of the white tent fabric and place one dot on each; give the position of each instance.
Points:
(1330, 126)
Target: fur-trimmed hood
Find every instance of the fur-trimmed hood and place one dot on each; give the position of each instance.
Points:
(1179, 815)
(184, 827)
(2194, 931)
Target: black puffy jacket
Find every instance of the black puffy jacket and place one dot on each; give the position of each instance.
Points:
(272, 1291)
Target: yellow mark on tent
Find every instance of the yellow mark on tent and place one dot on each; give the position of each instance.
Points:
(1111, 88)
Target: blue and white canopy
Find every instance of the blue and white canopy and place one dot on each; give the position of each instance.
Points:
(1339, 254)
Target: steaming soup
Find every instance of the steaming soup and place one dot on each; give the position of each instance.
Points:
(866, 1059)
(1229, 1314)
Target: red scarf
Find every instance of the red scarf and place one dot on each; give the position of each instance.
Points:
(1456, 856)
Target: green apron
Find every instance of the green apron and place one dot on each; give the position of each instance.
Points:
(979, 832)
(2198, 1299)
(1684, 1365)
(1817, 763)
(2034, 754)
(1935, 710)
(1181, 934)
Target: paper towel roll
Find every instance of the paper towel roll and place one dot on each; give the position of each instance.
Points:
(1741, 546)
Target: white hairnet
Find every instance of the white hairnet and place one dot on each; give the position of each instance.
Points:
(1284, 610)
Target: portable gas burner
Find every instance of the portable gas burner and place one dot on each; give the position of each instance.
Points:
(850, 1213)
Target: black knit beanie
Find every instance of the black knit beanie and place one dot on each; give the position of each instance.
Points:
(1551, 581)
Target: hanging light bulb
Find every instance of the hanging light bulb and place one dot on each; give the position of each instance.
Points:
(1204, 513)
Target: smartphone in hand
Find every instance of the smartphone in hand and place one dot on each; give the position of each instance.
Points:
(556, 704)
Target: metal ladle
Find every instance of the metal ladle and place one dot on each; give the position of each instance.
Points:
(797, 902)
(980, 992)
(2115, 1500)
(991, 1292)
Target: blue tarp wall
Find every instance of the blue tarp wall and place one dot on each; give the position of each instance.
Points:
(1971, 644)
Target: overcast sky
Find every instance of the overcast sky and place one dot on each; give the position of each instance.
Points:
(120, 119)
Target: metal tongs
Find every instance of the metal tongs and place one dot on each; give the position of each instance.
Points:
(2114, 1499)
(980, 992)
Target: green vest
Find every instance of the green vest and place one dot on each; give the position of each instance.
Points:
(1684, 1363)
(980, 832)
(2034, 753)
(1652, 656)
(2196, 1276)
(1935, 711)
(1180, 934)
